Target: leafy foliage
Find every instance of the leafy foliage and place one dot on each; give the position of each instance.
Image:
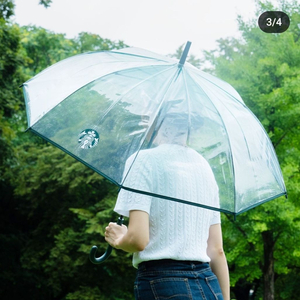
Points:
(58, 195)
(46, 3)
(47, 194)
(6, 9)
(43, 48)
(92, 42)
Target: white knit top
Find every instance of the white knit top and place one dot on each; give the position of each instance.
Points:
(177, 231)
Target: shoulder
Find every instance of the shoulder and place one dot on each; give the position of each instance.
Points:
(199, 158)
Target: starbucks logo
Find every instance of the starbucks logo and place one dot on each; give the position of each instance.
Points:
(88, 138)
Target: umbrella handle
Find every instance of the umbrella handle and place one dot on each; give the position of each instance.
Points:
(101, 259)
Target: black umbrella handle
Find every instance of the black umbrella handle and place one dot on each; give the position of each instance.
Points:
(107, 253)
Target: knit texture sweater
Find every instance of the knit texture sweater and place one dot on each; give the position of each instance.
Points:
(177, 231)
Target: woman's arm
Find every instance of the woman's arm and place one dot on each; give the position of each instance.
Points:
(218, 262)
(132, 239)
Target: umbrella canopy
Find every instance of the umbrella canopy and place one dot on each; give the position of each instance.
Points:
(111, 109)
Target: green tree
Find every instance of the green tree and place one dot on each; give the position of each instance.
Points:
(43, 48)
(46, 3)
(264, 68)
(10, 61)
(66, 207)
(40, 236)
(93, 42)
(45, 194)
(6, 9)
(11, 103)
(11, 120)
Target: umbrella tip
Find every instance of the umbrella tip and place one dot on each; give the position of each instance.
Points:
(184, 54)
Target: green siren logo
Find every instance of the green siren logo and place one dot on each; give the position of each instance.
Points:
(88, 138)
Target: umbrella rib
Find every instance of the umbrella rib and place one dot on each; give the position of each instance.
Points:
(217, 86)
(230, 148)
(280, 182)
(154, 120)
(89, 82)
(138, 55)
(121, 97)
(189, 105)
(176, 74)
(245, 140)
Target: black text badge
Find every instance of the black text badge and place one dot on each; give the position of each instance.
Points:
(274, 22)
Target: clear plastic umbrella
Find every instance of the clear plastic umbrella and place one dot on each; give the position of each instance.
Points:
(108, 109)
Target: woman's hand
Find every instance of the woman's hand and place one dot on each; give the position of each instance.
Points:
(114, 234)
(133, 239)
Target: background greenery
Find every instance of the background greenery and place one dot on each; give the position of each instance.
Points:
(53, 209)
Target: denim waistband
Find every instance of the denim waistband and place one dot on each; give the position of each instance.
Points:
(169, 262)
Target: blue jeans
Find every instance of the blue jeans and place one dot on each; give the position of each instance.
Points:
(176, 280)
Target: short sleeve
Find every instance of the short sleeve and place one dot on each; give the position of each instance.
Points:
(138, 175)
(128, 201)
(216, 218)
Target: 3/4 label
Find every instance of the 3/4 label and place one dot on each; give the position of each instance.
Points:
(274, 22)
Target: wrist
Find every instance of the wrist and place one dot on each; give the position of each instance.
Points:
(117, 244)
